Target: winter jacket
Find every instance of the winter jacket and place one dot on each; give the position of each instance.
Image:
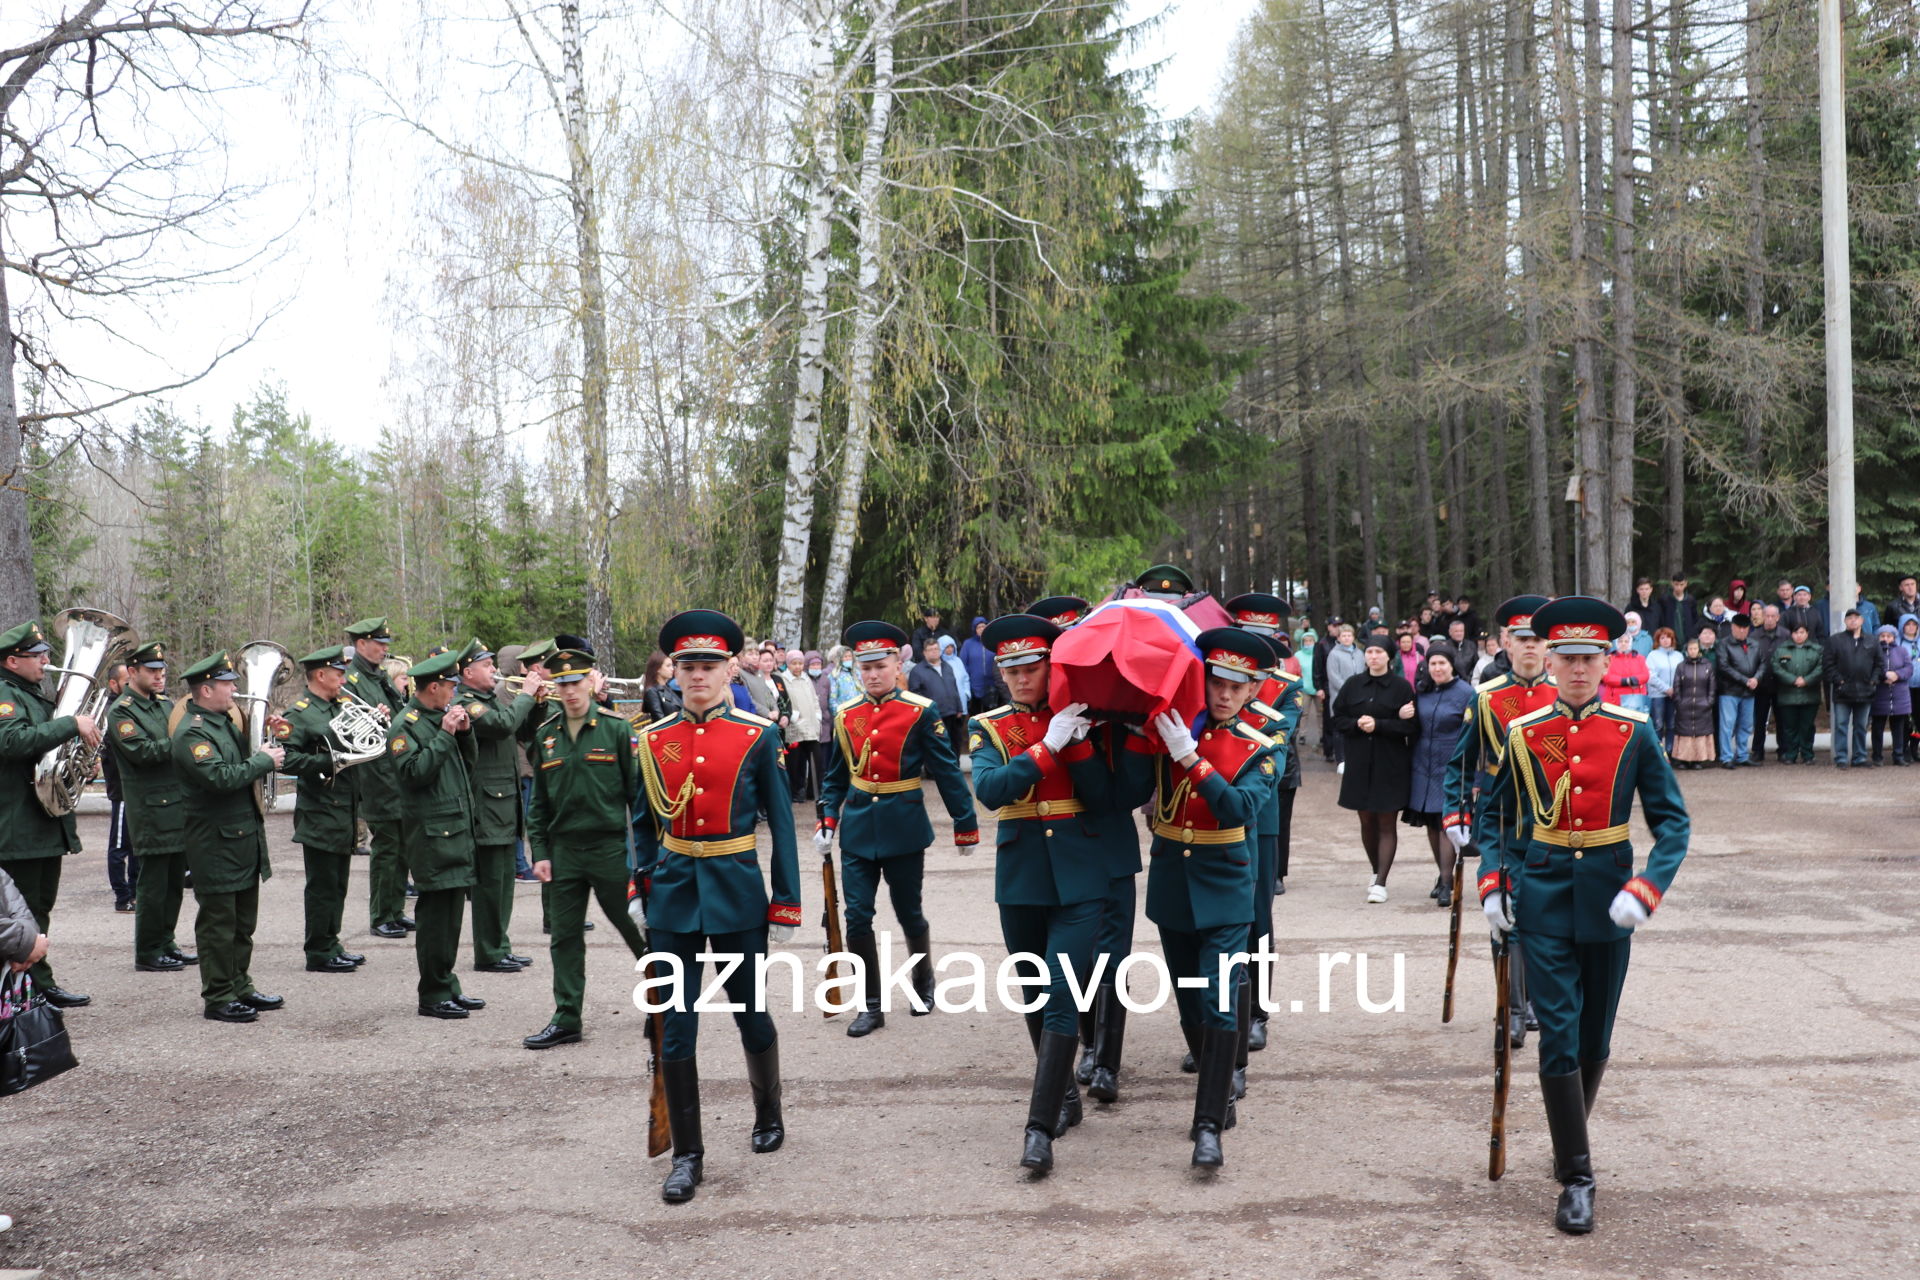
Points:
(1804, 615)
(18, 929)
(1797, 662)
(1683, 615)
(1894, 699)
(934, 680)
(1440, 712)
(804, 723)
(1660, 665)
(1736, 661)
(1626, 681)
(1344, 661)
(1379, 765)
(978, 660)
(1693, 707)
(1852, 665)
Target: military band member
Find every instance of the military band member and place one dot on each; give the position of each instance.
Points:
(1497, 703)
(884, 743)
(142, 746)
(226, 838)
(496, 802)
(378, 793)
(32, 842)
(707, 772)
(1557, 870)
(326, 808)
(586, 779)
(1212, 782)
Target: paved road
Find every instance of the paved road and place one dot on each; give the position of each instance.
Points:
(1762, 1117)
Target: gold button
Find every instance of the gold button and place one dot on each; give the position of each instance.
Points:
(1574, 729)
(1529, 733)
(1577, 855)
(1186, 853)
(1049, 831)
(1579, 822)
(699, 822)
(699, 759)
(1576, 759)
(1578, 790)
(699, 791)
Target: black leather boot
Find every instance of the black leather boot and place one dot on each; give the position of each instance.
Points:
(763, 1078)
(1052, 1074)
(1590, 1074)
(1213, 1094)
(922, 943)
(683, 1118)
(1191, 1063)
(869, 1019)
(1243, 1037)
(1518, 1006)
(1105, 1084)
(1572, 1162)
(1070, 1112)
(1089, 1044)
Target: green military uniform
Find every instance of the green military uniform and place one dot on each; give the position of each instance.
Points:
(496, 812)
(226, 847)
(323, 821)
(31, 841)
(142, 745)
(434, 770)
(378, 792)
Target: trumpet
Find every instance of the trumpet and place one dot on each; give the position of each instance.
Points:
(512, 685)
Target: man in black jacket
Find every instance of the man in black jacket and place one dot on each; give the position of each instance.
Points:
(1678, 610)
(1737, 666)
(1853, 668)
(1801, 613)
(1768, 635)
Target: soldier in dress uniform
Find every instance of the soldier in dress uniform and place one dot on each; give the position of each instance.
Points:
(1062, 611)
(1165, 582)
(226, 838)
(378, 793)
(326, 808)
(142, 746)
(708, 771)
(1557, 870)
(32, 842)
(496, 802)
(1497, 703)
(1211, 784)
(884, 743)
(586, 784)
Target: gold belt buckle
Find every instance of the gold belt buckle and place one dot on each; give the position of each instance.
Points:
(1577, 839)
(1186, 835)
(1043, 808)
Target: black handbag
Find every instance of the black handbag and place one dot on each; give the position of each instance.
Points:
(33, 1042)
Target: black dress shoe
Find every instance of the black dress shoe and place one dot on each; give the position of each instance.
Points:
(413, 891)
(389, 930)
(549, 1036)
(184, 957)
(470, 1002)
(159, 964)
(353, 958)
(264, 1003)
(332, 964)
(1279, 886)
(61, 998)
(501, 965)
(123, 908)
(525, 962)
(406, 923)
(588, 925)
(866, 1022)
(444, 1009)
(232, 1011)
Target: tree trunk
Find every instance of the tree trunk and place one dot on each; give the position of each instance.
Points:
(1618, 584)
(1350, 325)
(1527, 144)
(803, 441)
(1752, 409)
(866, 329)
(1413, 218)
(1590, 553)
(19, 594)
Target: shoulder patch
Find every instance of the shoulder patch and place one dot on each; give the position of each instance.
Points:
(7, 710)
(201, 750)
(976, 740)
(398, 745)
(128, 728)
(940, 727)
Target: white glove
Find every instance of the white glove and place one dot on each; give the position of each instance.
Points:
(1179, 742)
(637, 910)
(1460, 835)
(779, 933)
(1495, 909)
(1628, 911)
(1067, 726)
(823, 839)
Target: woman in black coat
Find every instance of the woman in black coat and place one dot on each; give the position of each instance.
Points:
(1375, 716)
(1693, 709)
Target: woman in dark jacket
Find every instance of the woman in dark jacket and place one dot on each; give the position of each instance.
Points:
(1693, 709)
(1374, 714)
(658, 693)
(1440, 708)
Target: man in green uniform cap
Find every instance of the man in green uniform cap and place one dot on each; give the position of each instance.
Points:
(431, 747)
(142, 745)
(32, 842)
(226, 838)
(1165, 582)
(323, 822)
(496, 802)
(378, 793)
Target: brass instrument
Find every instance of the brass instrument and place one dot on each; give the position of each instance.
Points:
(511, 686)
(265, 669)
(95, 640)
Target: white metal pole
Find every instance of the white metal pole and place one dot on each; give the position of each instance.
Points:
(1833, 221)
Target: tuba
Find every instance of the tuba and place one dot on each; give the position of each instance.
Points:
(95, 640)
(264, 668)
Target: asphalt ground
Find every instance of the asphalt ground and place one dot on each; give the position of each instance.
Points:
(1759, 1118)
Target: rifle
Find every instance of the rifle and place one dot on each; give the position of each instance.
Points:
(1502, 1061)
(1453, 933)
(835, 941)
(659, 1131)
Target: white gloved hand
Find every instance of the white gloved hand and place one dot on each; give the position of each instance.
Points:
(1495, 909)
(1460, 835)
(823, 838)
(1628, 911)
(1067, 726)
(1179, 742)
(637, 911)
(779, 933)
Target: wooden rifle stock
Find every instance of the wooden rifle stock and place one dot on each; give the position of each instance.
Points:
(1453, 933)
(659, 1131)
(1502, 1062)
(835, 941)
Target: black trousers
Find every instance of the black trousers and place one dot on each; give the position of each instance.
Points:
(803, 771)
(1762, 709)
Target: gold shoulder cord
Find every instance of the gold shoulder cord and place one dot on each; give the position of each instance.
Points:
(1547, 816)
(1165, 807)
(1490, 731)
(858, 765)
(657, 786)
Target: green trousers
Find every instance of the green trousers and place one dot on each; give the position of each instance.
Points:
(38, 880)
(436, 942)
(492, 901)
(326, 899)
(156, 905)
(578, 873)
(223, 930)
(386, 874)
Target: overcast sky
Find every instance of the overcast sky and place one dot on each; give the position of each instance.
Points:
(347, 207)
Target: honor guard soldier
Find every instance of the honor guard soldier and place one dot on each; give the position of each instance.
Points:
(142, 746)
(496, 802)
(378, 792)
(884, 743)
(324, 817)
(1062, 611)
(1557, 870)
(432, 752)
(586, 782)
(1165, 582)
(1200, 887)
(709, 770)
(1497, 703)
(32, 842)
(226, 838)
